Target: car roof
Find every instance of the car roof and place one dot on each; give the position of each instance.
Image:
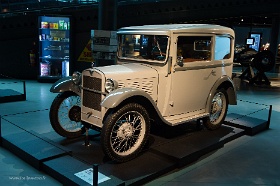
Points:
(178, 28)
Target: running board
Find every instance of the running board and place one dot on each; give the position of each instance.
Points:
(183, 118)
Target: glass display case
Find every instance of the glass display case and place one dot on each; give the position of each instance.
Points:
(54, 47)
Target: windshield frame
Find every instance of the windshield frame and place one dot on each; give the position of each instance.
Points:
(140, 58)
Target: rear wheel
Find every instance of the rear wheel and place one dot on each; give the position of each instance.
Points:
(65, 115)
(125, 132)
(218, 110)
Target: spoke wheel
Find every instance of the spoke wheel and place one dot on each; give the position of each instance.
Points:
(65, 115)
(125, 132)
(218, 110)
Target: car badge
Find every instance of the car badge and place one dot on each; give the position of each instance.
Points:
(91, 71)
(89, 114)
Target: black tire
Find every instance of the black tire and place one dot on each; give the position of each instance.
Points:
(65, 115)
(218, 110)
(264, 61)
(125, 132)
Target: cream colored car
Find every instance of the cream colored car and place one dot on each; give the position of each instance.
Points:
(169, 74)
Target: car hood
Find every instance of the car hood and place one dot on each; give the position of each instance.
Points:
(128, 71)
(133, 75)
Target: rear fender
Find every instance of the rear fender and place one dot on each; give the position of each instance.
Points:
(65, 84)
(230, 89)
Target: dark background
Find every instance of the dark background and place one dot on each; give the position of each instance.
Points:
(19, 28)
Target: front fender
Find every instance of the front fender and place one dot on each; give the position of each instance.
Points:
(114, 98)
(65, 84)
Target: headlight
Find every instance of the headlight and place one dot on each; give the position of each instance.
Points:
(76, 78)
(110, 85)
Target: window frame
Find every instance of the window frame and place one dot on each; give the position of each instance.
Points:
(141, 60)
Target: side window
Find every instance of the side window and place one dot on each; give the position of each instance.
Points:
(194, 48)
(222, 48)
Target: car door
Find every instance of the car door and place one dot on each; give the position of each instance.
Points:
(194, 75)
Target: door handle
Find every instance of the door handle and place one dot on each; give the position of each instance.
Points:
(213, 72)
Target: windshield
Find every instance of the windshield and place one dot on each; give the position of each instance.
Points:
(148, 47)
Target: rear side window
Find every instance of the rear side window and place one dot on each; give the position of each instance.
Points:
(194, 48)
(222, 48)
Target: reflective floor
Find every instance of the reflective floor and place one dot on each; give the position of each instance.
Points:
(248, 160)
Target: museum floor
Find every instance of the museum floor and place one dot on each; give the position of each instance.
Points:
(247, 160)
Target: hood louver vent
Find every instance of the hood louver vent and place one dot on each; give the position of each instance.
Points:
(146, 85)
(134, 84)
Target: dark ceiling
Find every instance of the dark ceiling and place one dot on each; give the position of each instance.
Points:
(257, 13)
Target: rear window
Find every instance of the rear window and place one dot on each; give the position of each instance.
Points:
(222, 48)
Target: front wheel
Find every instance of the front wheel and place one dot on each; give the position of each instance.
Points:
(125, 132)
(218, 110)
(65, 115)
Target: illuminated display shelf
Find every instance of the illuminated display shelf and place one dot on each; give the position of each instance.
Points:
(54, 47)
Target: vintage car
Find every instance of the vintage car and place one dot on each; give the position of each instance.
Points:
(167, 74)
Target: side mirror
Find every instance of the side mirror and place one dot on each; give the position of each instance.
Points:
(180, 61)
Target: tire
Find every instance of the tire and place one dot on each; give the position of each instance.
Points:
(264, 61)
(65, 115)
(125, 132)
(218, 110)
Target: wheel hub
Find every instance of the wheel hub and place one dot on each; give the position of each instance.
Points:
(125, 130)
(265, 61)
(216, 107)
(74, 113)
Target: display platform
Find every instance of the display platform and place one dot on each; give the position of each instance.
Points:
(23, 143)
(168, 148)
(251, 125)
(10, 95)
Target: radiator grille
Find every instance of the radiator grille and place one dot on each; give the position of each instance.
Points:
(92, 83)
(92, 99)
